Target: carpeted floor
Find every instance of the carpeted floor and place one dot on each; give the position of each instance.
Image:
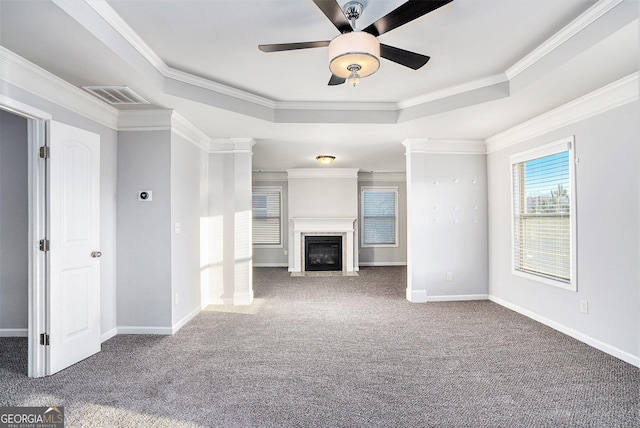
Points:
(338, 352)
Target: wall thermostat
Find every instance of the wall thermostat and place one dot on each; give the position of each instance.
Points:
(144, 195)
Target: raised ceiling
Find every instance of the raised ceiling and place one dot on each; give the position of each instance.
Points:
(494, 63)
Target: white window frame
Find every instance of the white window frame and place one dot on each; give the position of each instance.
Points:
(364, 189)
(563, 145)
(258, 189)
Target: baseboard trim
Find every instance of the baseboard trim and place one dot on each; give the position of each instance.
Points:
(109, 334)
(373, 264)
(604, 347)
(177, 326)
(416, 296)
(127, 329)
(457, 298)
(14, 332)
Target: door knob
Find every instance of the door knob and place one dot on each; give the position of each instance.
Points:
(96, 254)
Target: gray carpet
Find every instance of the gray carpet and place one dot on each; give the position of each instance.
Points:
(338, 352)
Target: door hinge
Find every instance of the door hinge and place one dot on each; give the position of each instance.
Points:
(44, 245)
(44, 152)
(44, 339)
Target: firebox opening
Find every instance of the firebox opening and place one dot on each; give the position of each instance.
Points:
(323, 253)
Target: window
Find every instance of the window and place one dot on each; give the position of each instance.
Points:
(544, 214)
(379, 207)
(267, 217)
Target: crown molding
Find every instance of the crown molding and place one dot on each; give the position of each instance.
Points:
(445, 147)
(614, 95)
(379, 176)
(452, 91)
(322, 173)
(337, 106)
(583, 21)
(231, 145)
(259, 176)
(188, 131)
(145, 120)
(23, 74)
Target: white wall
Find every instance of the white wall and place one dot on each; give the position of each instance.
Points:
(447, 225)
(14, 227)
(331, 196)
(607, 196)
(144, 232)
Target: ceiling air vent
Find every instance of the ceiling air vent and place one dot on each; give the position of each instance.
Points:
(116, 95)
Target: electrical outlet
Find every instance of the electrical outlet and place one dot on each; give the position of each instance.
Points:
(286, 252)
(584, 306)
(449, 276)
(176, 298)
(178, 226)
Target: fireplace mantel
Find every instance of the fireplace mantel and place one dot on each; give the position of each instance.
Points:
(345, 227)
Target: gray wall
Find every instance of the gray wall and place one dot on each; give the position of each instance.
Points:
(108, 171)
(385, 256)
(14, 227)
(607, 198)
(144, 229)
(186, 166)
(452, 194)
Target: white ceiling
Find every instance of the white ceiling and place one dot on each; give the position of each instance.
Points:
(201, 59)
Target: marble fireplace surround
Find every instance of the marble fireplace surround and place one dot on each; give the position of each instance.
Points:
(345, 227)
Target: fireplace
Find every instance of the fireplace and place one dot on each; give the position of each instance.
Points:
(323, 253)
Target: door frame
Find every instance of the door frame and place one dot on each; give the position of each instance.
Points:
(37, 136)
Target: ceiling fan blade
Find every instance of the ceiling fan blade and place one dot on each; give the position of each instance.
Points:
(334, 12)
(400, 56)
(406, 12)
(335, 80)
(292, 46)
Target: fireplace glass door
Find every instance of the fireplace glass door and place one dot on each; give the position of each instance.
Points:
(323, 253)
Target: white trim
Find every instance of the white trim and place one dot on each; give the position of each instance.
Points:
(188, 131)
(566, 144)
(259, 176)
(14, 332)
(452, 91)
(145, 120)
(382, 264)
(126, 329)
(457, 298)
(336, 106)
(442, 146)
(381, 176)
(22, 109)
(19, 72)
(191, 315)
(109, 334)
(416, 296)
(594, 13)
(270, 265)
(604, 347)
(322, 173)
(608, 97)
(230, 145)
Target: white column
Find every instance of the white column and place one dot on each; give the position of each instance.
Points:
(230, 203)
(417, 248)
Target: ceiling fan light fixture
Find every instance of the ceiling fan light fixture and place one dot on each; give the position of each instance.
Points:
(325, 159)
(356, 48)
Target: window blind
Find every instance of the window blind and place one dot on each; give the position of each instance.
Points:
(267, 217)
(542, 216)
(379, 217)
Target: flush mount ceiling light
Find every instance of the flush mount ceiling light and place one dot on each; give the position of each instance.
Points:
(356, 53)
(325, 159)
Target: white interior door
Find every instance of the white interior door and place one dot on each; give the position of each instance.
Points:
(73, 311)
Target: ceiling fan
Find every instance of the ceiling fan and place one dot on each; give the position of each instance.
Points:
(356, 53)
